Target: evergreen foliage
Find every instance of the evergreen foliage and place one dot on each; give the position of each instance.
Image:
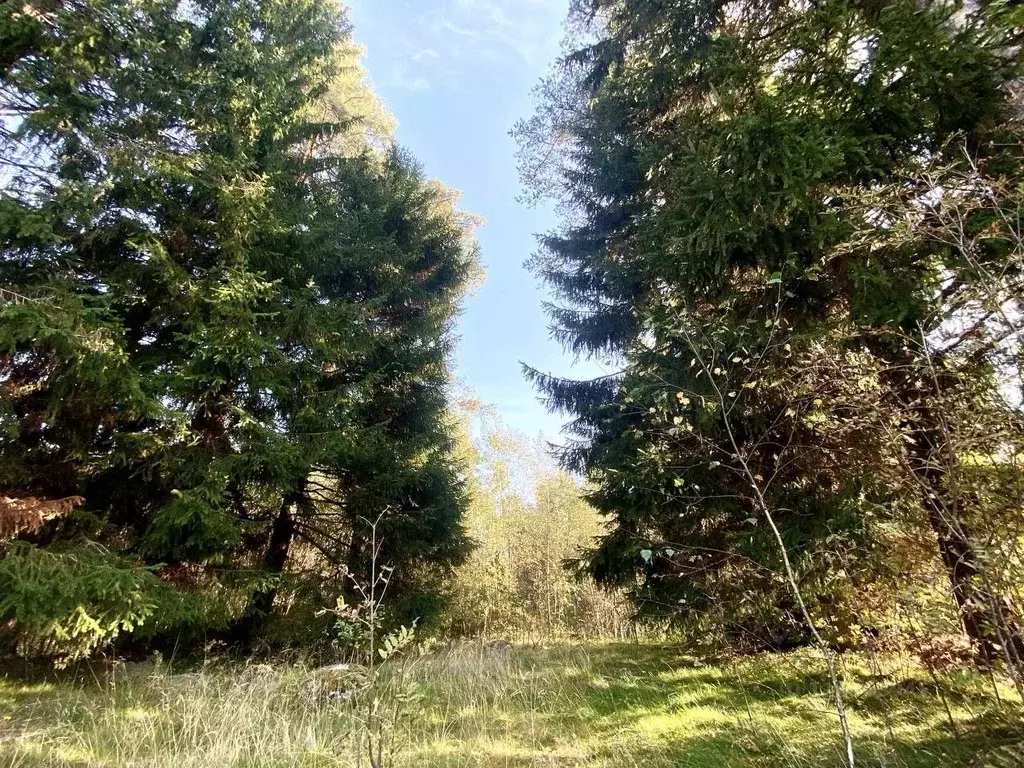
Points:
(752, 195)
(227, 298)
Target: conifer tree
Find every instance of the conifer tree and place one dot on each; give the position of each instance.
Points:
(719, 167)
(227, 297)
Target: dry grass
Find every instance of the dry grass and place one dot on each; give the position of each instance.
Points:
(610, 706)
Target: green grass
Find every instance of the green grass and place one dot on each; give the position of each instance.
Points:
(608, 706)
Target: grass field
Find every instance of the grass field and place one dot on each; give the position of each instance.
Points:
(609, 706)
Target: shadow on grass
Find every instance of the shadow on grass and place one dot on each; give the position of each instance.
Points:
(627, 706)
(766, 712)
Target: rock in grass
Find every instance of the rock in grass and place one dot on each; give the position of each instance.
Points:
(334, 669)
(499, 649)
(333, 684)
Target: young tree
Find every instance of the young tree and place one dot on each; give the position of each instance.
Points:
(531, 525)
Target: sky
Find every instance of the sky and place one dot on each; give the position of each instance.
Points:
(457, 75)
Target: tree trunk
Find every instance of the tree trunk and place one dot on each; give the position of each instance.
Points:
(962, 568)
(261, 603)
(930, 460)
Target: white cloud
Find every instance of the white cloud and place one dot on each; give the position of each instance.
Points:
(426, 53)
(443, 41)
(399, 79)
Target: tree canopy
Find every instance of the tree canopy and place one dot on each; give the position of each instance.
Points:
(227, 307)
(790, 225)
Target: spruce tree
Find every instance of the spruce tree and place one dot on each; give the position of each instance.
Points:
(227, 299)
(717, 167)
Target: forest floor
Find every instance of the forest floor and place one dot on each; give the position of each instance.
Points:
(599, 705)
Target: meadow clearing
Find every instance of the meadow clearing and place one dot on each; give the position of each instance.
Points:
(607, 705)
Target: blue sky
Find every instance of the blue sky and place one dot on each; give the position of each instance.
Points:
(457, 74)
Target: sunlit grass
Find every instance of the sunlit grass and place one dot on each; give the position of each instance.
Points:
(600, 706)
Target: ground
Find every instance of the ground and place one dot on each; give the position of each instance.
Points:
(610, 705)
